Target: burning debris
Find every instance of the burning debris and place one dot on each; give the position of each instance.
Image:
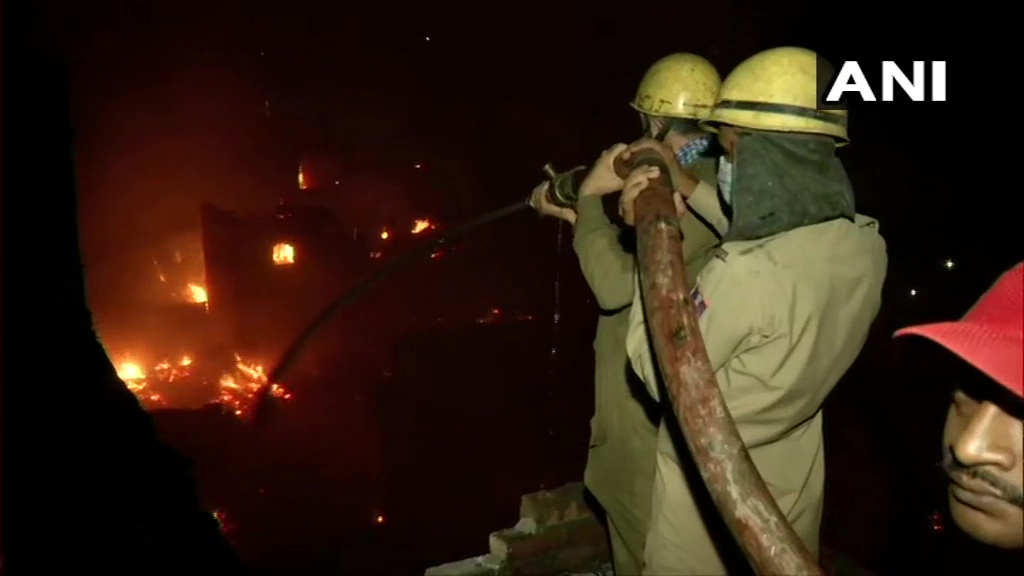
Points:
(237, 389)
(421, 225)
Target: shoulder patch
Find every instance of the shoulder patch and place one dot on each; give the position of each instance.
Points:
(700, 305)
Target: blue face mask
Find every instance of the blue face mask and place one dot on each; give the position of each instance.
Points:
(694, 150)
(725, 178)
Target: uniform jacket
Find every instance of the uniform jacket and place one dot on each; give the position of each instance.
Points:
(783, 318)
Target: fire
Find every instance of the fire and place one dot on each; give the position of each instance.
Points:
(302, 180)
(237, 390)
(130, 371)
(421, 225)
(197, 294)
(138, 380)
(283, 254)
(384, 234)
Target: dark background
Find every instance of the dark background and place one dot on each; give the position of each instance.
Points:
(175, 104)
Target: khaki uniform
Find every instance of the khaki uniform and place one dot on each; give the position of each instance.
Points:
(620, 462)
(783, 318)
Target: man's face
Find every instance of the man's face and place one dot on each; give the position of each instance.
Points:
(984, 451)
(673, 140)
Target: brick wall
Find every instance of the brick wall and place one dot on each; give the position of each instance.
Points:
(556, 534)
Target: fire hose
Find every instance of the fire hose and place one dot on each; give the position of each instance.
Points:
(737, 489)
(740, 494)
(293, 352)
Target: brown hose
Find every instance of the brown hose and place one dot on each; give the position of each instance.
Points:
(755, 520)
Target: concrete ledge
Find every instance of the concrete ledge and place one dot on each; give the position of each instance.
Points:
(550, 507)
(479, 566)
(556, 534)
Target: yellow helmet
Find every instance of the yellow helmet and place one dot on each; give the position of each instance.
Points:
(777, 90)
(678, 86)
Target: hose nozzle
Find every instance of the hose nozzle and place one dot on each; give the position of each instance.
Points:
(563, 190)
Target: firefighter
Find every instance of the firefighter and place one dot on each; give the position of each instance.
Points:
(674, 95)
(983, 440)
(784, 305)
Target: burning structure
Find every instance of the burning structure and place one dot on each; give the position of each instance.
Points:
(239, 292)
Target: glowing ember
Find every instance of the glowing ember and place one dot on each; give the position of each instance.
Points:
(197, 294)
(283, 254)
(421, 225)
(384, 234)
(302, 180)
(224, 522)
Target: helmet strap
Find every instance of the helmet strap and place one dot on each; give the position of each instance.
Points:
(647, 124)
(663, 132)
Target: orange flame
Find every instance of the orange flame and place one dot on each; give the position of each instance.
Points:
(384, 234)
(421, 225)
(130, 371)
(197, 294)
(283, 254)
(237, 390)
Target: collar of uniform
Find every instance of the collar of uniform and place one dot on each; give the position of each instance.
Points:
(746, 246)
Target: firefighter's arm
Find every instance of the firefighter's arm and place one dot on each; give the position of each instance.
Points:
(606, 266)
(750, 344)
(704, 201)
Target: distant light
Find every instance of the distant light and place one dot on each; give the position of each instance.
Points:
(418, 166)
(302, 180)
(913, 292)
(427, 38)
(949, 264)
(262, 53)
(384, 234)
(337, 182)
(374, 255)
(379, 519)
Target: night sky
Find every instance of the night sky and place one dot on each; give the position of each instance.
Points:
(447, 110)
(171, 102)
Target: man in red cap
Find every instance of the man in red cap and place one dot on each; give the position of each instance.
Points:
(983, 441)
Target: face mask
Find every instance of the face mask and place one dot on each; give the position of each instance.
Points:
(725, 178)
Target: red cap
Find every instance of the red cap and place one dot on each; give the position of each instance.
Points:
(990, 336)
